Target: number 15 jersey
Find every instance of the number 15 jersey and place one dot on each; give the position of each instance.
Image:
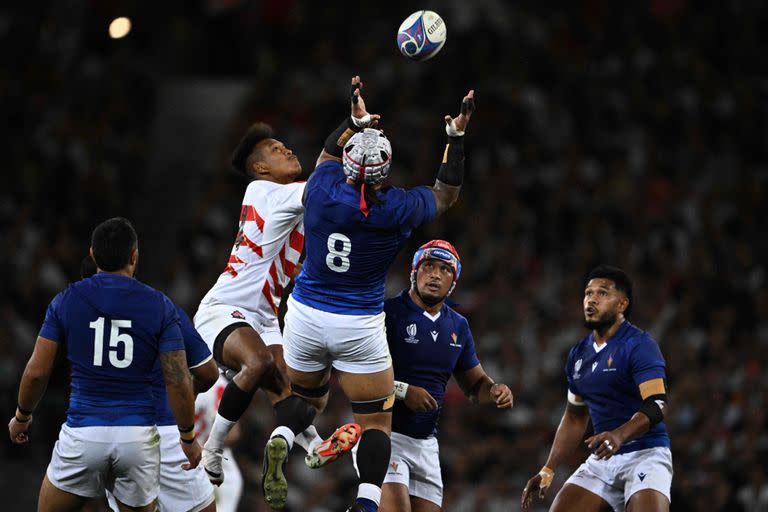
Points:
(348, 253)
(113, 329)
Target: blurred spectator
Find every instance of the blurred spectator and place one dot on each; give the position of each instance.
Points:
(642, 124)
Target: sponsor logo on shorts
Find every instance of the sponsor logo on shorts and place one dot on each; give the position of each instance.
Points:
(237, 314)
(641, 476)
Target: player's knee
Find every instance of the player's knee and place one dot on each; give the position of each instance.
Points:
(257, 368)
(295, 413)
(374, 449)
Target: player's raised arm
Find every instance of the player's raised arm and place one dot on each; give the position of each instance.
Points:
(32, 387)
(568, 436)
(451, 173)
(359, 118)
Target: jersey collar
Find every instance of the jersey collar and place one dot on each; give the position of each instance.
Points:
(619, 335)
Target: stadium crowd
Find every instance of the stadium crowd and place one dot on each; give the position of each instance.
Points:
(633, 135)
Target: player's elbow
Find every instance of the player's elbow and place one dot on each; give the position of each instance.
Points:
(36, 372)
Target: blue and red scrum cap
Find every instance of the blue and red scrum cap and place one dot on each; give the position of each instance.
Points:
(438, 250)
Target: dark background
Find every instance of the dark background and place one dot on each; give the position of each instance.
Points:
(631, 133)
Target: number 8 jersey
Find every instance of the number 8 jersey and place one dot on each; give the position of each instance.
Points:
(349, 253)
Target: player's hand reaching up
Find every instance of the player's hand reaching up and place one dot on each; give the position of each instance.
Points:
(194, 452)
(455, 127)
(502, 395)
(418, 399)
(360, 115)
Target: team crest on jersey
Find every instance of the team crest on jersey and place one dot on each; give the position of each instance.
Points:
(237, 314)
(576, 368)
(394, 467)
(411, 331)
(610, 360)
(454, 340)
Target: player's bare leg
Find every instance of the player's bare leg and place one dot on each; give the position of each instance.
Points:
(572, 497)
(394, 498)
(422, 505)
(648, 500)
(53, 499)
(243, 351)
(372, 398)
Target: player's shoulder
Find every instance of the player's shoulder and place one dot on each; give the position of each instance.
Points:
(634, 336)
(396, 303)
(580, 346)
(457, 318)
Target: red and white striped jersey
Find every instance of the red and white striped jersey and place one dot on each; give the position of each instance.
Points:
(267, 249)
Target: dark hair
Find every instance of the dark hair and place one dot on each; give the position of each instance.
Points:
(87, 267)
(620, 280)
(112, 242)
(255, 134)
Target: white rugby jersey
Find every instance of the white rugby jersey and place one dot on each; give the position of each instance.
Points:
(266, 251)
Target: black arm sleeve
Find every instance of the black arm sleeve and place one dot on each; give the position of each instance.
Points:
(334, 144)
(653, 407)
(452, 169)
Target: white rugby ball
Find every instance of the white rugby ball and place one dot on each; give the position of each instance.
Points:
(421, 35)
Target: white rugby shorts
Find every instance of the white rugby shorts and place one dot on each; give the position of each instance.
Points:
(87, 461)
(315, 339)
(618, 478)
(415, 463)
(189, 491)
(211, 319)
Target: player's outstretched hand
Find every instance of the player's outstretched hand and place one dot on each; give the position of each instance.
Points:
(502, 395)
(418, 399)
(455, 127)
(360, 115)
(536, 486)
(19, 431)
(604, 445)
(194, 452)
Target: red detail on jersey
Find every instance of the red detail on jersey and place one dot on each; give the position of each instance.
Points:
(251, 245)
(237, 314)
(296, 240)
(249, 213)
(276, 280)
(229, 269)
(268, 294)
(289, 267)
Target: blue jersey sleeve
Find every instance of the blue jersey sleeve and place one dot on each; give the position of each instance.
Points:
(569, 371)
(170, 337)
(646, 361)
(52, 328)
(197, 350)
(468, 358)
(418, 207)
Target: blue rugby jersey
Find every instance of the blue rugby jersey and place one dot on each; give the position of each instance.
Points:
(113, 329)
(425, 352)
(608, 381)
(197, 354)
(348, 254)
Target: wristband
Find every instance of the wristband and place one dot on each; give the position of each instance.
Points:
(401, 389)
(547, 475)
(188, 436)
(23, 416)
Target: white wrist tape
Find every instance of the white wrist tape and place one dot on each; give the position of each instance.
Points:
(401, 388)
(362, 122)
(451, 131)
